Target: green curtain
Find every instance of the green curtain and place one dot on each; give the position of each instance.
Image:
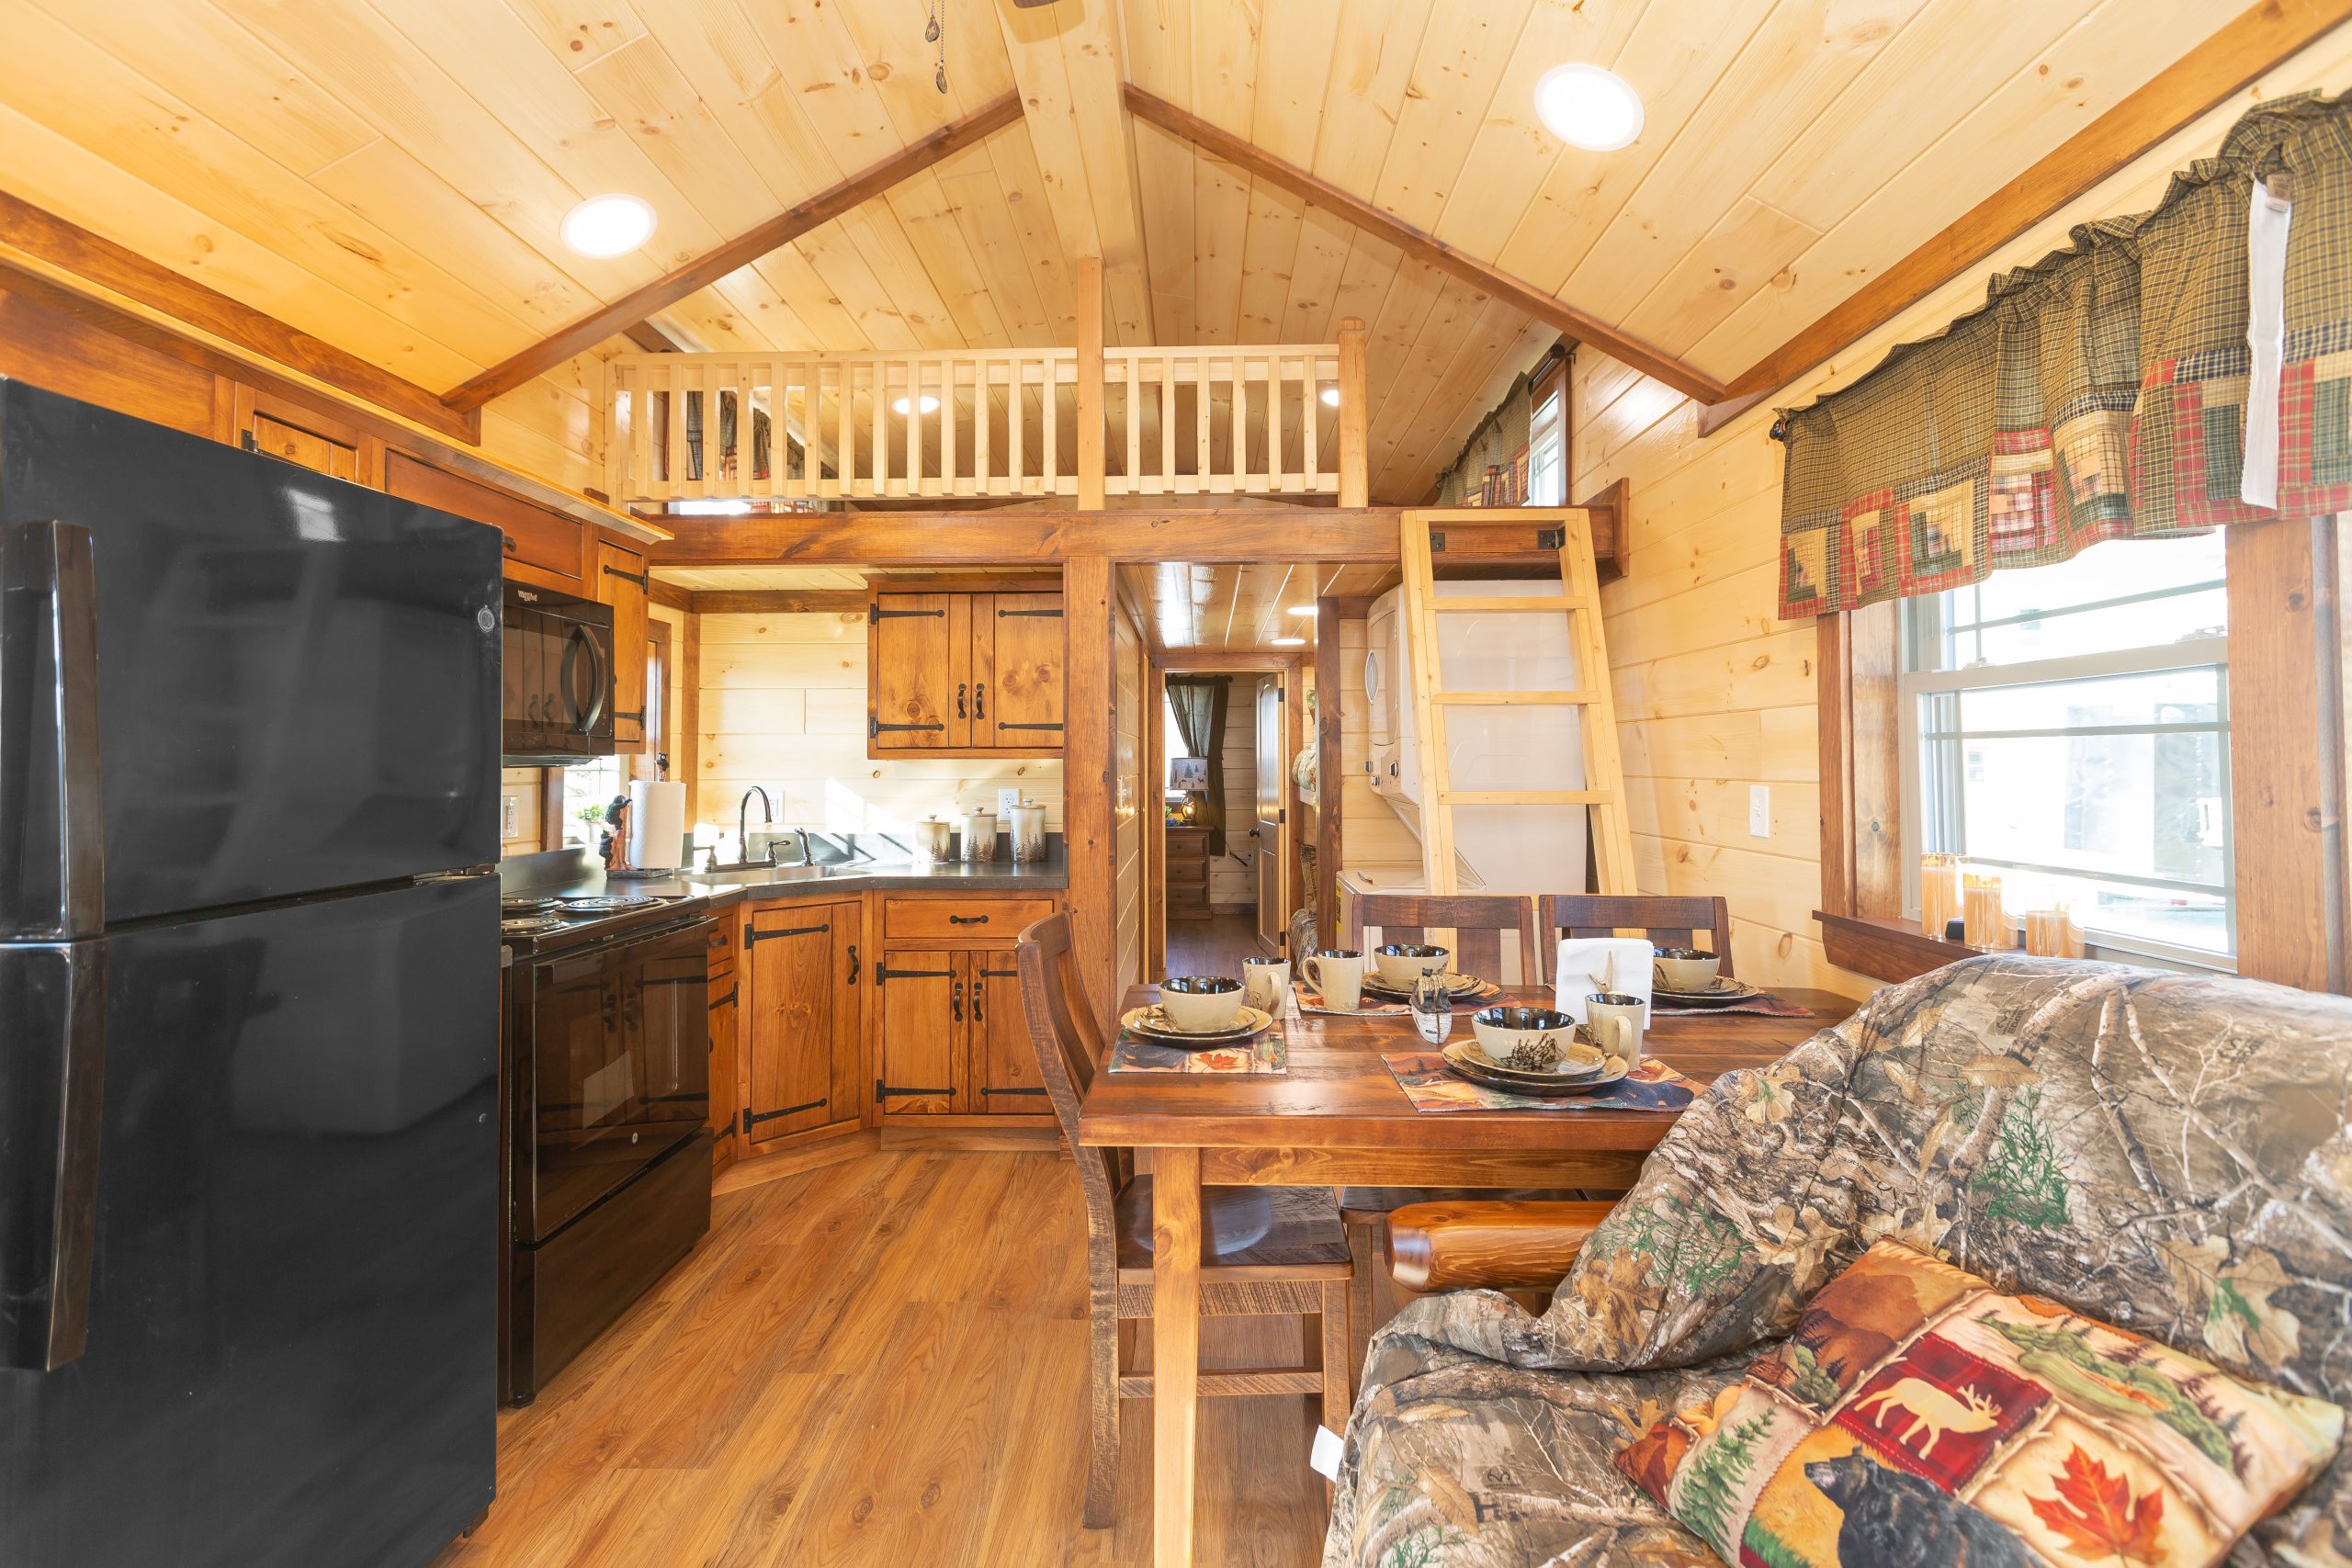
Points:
(1198, 702)
(2098, 394)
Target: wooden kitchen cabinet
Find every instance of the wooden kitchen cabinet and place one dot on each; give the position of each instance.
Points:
(1006, 1080)
(957, 674)
(725, 1059)
(951, 1037)
(922, 999)
(542, 546)
(802, 993)
(621, 582)
(309, 437)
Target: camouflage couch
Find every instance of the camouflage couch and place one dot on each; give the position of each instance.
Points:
(2169, 1153)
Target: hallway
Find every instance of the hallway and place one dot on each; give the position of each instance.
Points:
(1213, 946)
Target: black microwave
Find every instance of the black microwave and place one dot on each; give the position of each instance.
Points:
(559, 677)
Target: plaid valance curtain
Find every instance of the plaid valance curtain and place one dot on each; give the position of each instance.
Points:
(2098, 394)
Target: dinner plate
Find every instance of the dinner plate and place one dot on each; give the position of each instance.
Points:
(1456, 986)
(1722, 993)
(1466, 1060)
(1475, 1050)
(1150, 1023)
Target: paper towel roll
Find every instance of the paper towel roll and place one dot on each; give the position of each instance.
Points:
(657, 824)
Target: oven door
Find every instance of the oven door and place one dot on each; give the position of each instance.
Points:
(557, 676)
(618, 1066)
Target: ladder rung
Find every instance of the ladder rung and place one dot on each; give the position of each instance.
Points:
(1527, 796)
(1554, 602)
(1514, 699)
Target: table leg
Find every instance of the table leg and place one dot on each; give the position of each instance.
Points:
(1175, 1350)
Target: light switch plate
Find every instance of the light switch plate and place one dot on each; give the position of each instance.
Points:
(511, 823)
(1759, 811)
(1006, 799)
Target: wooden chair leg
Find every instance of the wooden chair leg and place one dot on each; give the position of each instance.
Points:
(1102, 1456)
(1360, 1301)
(1339, 1374)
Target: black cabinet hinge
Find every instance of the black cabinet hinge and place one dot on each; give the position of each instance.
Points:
(752, 1119)
(642, 579)
(885, 1091)
(1012, 1092)
(884, 974)
(1042, 615)
(875, 615)
(874, 727)
(1001, 723)
(757, 935)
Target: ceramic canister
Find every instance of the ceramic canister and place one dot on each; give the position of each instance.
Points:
(934, 835)
(980, 835)
(1028, 833)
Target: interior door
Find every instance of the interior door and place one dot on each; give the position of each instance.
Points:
(1018, 706)
(1268, 858)
(794, 1018)
(922, 999)
(922, 672)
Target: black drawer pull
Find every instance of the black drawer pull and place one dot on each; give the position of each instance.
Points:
(967, 920)
(963, 689)
(758, 935)
(853, 964)
(980, 699)
(980, 995)
(955, 1006)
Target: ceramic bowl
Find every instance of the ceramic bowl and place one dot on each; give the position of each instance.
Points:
(1201, 1004)
(1402, 963)
(1685, 969)
(1503, 1031)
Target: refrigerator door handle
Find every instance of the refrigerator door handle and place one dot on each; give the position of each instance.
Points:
(52, 828)
(50, 1100)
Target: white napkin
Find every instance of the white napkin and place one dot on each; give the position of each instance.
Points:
(1581, 958)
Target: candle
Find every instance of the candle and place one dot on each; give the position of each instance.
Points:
(1938, 892)
(1988, 928)
(2052, 933)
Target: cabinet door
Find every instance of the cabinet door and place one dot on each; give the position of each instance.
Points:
(1005, 1063)
(724, 1007)
(1017, 672)
(542, 546)
(281, 438)
(922, 999)
(792, 1022)
(920, 677)
(621, 582)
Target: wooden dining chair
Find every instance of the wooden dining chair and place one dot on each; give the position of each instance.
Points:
(1478, 922)
(1668, 921)
(1265, 1251)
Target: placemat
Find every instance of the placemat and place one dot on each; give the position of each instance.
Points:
(1767, 1004)
(1311, 1000)
(1265, 1057)
(1430, 1086)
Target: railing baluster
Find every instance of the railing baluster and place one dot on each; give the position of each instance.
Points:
(1133, 467)
(1049, 405)
(1241, 422)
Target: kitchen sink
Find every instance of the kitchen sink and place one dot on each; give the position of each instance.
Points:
(770, 875)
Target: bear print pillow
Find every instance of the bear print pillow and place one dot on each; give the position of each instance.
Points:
(1919, 1416)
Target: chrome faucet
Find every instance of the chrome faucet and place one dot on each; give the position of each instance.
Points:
(743, 830)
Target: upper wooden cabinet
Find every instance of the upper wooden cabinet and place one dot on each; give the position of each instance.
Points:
(620, 581)
(311, 437)
(542, 546)
(957, 674)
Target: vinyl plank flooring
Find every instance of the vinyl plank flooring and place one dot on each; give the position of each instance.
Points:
(881, 1362)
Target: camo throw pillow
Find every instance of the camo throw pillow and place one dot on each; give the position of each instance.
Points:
(1918, 1415)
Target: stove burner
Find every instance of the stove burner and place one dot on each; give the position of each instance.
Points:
(524, 904)
(529, 925)
(612, 904)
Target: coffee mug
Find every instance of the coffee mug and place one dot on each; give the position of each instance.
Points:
(1339, 975)
(1615, 1019)
(1268, 980)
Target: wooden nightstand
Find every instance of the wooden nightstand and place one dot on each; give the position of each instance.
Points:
(1188, 873)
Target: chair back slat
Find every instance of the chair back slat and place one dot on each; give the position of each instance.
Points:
(1068, 1045)
(1667, 920)
(1477, 922)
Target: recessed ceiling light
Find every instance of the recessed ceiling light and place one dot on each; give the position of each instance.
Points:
(929, 404)
(607, 226)
(1589, 107)
(1290, 642)
(1331, 396)
(1302, 609)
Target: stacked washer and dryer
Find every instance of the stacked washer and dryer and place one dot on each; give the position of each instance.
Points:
(1497, 849)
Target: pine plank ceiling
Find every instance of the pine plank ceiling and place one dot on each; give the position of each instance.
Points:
(390, 176)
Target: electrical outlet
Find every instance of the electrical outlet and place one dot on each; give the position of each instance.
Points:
(510, 824)
(1006, 799)
(1759, 811)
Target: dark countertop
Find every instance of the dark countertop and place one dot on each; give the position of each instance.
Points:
(575, 874)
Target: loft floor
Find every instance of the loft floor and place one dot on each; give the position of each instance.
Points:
(882, 1362)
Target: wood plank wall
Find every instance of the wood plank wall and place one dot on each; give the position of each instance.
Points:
(1233, 882)
(782, 703)
(1714, 692)
(1375, 836)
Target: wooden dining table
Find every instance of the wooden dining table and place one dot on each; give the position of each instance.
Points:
(1337, 1118)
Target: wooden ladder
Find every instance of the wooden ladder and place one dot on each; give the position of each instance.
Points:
(1604, 795)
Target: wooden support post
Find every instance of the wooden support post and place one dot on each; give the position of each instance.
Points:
(1353, 412)
(1089, 762)
(1090, 384)
(1327, 781)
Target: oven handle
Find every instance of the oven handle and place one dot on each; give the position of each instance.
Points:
(579, 638)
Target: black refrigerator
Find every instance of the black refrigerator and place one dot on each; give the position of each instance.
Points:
(249, 722)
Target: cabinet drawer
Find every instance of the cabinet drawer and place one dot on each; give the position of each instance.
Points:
(1187, 871)
(960, 922)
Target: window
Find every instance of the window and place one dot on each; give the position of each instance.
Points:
(588, 791)
(1547, 453)
(2067, 727)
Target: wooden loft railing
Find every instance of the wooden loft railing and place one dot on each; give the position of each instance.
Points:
(1281, 419)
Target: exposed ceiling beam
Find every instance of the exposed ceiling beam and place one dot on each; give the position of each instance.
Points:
(2209, 74)
(1545, 307)
(54, 242)
(652, 338)
(633, 308)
